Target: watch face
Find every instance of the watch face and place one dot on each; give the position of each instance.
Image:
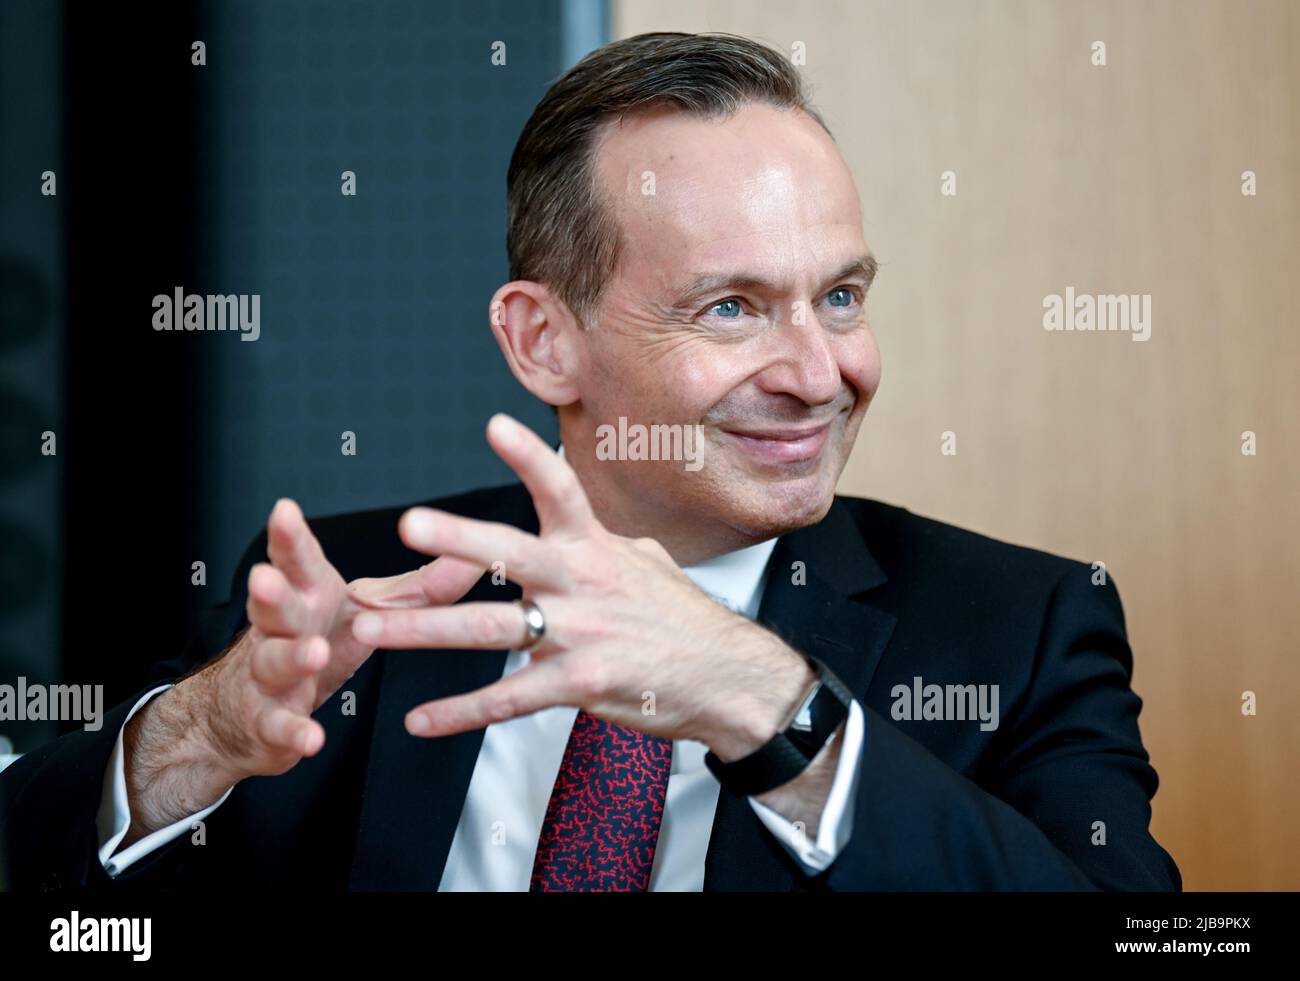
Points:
(803, 720)
(817, 721)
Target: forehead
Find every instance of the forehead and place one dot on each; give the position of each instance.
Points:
(764, 187)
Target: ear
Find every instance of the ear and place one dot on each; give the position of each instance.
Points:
(540, 338)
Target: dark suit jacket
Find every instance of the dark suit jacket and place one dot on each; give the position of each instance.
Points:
(888, 596)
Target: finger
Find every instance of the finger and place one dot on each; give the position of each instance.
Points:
(292, 547)
(557, 494)
(444, 580)
(527, 560)
(283, 728)
(278, 663)
(274, 606)
(478, 626)
(522, 693)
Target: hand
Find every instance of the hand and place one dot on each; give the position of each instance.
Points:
(249, 711)
(299, 649)
(628, 636)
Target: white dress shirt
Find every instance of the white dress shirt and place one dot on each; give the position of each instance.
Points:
(501, 821)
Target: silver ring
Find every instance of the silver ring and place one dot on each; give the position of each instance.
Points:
(533, 621)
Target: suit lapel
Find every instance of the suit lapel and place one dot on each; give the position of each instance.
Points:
(415, 788)
(812, 607)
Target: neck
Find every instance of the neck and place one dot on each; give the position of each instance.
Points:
(685, 537)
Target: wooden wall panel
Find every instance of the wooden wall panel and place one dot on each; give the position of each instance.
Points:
(1115, 179)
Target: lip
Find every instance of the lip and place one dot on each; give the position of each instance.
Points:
(782, 445)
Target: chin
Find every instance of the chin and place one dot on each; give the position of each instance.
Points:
(770, 510)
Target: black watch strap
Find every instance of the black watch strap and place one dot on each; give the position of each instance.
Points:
(788, 753)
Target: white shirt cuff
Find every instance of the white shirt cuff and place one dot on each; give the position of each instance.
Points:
(836, 823)
(114, 818)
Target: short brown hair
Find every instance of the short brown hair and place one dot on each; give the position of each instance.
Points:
(558, 231)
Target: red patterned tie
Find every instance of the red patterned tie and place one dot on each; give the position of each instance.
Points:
(602, 823)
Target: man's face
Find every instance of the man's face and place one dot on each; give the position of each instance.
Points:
(772, 356)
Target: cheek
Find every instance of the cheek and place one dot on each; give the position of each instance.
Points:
(680, 378)
(696, 384)
(859, 362)
(673, 378)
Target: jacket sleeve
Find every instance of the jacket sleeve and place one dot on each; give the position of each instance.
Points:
(1064, 800)
(50, 797)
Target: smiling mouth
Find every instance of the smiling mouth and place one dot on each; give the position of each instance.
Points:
(782, 445)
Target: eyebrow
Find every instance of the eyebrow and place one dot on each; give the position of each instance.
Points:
(863, 267)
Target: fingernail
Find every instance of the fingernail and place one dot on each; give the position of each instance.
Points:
(417, 723)
(505, 427)
(367, 627)
(419, 527)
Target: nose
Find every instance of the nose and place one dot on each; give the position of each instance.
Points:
(803, 363)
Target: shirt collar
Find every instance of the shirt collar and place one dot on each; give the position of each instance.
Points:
(735, 579)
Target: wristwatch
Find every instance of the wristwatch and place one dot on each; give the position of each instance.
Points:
(788, 753)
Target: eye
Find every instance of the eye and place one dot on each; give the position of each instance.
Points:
(841, 296)
(731, 306)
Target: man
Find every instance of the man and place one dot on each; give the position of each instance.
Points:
(557, 701)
